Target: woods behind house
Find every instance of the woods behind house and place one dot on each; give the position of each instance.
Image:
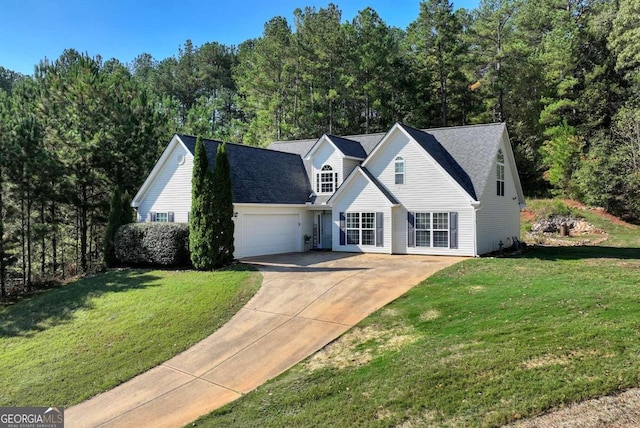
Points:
(563, 75)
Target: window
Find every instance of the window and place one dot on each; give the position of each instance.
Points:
(423, 229)
(164, 217)
(368, 228)
(399, 170)
(353, 228)
(361, 228)
(326, 180)
(440, 228)
(500, 173)
(431, 230)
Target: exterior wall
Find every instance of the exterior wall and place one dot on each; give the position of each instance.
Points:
(348, 165)
(362, 196)
(305, 215)
(171, 188)
(499, 216)
(427, 188)
(325, 154)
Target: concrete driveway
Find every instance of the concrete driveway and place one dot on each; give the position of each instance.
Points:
(306, 301)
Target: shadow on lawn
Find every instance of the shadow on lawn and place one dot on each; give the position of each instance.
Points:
(59, 305)
(581, 252)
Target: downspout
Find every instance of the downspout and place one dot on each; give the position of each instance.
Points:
(476, 207)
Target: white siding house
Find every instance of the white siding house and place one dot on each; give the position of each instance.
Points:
(446, 191)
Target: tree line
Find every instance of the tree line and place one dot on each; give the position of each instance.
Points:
(563, 75)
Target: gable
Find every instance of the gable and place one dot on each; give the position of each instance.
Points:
(359, 179)
(425, 160)
(175, 157)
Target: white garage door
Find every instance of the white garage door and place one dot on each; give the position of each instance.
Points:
(270, 234)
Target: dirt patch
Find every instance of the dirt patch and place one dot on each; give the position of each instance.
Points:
(430, 315)
(601, 212)
(556, 360)
(358, 346)
(622, 410)
(476, 289)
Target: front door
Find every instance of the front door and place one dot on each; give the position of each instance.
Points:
(326, 230)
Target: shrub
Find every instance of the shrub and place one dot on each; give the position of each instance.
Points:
(153, 244)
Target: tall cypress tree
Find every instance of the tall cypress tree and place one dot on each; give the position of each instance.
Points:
(126, 213)
(222, 209)
(201, 226)
(113, 223)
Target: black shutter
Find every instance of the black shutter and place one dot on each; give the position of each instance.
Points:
(170, 216)
(411, 233)
(379, 229)
(152, 216)
(343, 231)
(453, 230)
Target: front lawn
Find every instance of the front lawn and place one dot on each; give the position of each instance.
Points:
(482, 343)
(72, 342)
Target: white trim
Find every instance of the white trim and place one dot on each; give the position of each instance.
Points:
(255, 204)
(317, 144)
(387, 137)
(509, 156)
(135, 202)
(347, 182)
(325, 137)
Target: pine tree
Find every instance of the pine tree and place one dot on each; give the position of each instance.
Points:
(201, 225)
(222, 209)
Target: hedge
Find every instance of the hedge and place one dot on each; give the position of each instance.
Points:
(153, 244)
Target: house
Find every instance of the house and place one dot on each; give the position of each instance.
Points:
(445, 191)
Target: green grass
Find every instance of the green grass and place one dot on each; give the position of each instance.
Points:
(482, 343)
(72, 342)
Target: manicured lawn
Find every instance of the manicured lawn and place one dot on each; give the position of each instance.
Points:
(72, 342)
(483, 343)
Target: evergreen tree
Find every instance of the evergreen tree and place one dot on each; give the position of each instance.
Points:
(126, 213)
(201, 226)
(113, 223)
(222, 212)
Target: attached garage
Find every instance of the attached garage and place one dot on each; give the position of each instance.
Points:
(272, 233)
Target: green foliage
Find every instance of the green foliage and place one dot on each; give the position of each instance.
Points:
(153, 244)
(548, 208)
(120, 213)
(103, 330)
(562, 155)
(625, 38)
(222, 212)
(610, 174)
(201, 222)
(484, 343)
(113, 223)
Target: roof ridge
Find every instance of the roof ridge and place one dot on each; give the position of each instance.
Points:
(235, 144)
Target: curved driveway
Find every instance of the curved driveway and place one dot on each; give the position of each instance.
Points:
(306, 301)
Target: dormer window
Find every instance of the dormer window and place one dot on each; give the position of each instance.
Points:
(500, 173)
(399, 170)
(326, 180)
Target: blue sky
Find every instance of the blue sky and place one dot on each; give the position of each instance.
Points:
(34, 29)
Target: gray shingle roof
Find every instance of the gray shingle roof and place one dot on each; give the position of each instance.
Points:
(473, 147)
(260, 175)
(348, 147)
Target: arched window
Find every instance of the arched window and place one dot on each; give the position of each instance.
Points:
(399, 170)
(326, 180)
(500, 173)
